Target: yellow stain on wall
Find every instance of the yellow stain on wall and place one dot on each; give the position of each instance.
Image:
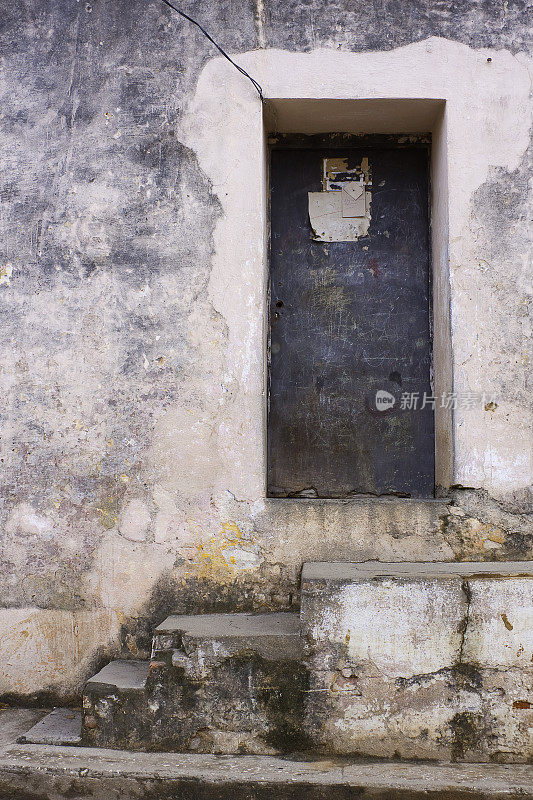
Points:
(6, 272)
(108, 510)
(211, 563)
(479, 533)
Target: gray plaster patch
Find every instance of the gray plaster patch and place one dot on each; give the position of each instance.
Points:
(362, 26)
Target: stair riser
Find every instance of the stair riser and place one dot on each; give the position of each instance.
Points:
(116, 718)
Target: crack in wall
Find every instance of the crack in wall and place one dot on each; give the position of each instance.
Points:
(465, 586)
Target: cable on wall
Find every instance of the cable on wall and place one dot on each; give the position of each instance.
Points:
(218, 47)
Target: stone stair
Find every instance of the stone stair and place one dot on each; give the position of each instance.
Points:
(216, 683)
(417, 661)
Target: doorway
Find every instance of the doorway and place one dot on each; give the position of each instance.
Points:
(350, 406)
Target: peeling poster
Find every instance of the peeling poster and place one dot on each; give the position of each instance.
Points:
(341, 211)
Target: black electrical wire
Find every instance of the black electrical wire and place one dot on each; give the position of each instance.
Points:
(218, 47)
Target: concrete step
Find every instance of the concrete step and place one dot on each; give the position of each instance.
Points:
(209, 638)
(420, 660)
(239, 675)
(61, 727)
(123, 674)
(115, 706)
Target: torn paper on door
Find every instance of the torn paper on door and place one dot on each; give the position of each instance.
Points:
(341, 213)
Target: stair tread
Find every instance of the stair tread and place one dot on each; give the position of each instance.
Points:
(61, 727)
(232, 625)
(348, 571)
(122, 674)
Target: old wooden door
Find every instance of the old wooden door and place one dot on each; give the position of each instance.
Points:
(350, 401)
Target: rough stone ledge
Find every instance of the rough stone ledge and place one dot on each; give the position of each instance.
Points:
(377, 631)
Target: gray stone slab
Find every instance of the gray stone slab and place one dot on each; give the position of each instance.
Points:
(121, 674)
(100, 774)
(61, 727)
(230, 625)
(342, 571)
(274, 636)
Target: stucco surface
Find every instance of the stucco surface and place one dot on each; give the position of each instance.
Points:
(420, 667)
(132, 297)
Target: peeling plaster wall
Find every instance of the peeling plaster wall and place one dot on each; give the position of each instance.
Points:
(132, 369)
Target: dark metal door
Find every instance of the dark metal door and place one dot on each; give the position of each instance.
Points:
(350, 326)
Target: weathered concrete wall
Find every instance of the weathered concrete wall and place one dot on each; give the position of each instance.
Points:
(420, 661)
(132, 333)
